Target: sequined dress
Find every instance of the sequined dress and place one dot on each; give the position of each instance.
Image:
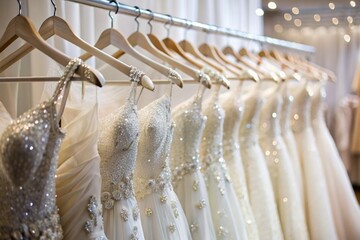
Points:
(188, 181)
(257, 175)
(343, 202)
(289, 204)
(162, 216)
(225, 208)
(233, 107)
(317, 203)
(118, 148)
(29, 149)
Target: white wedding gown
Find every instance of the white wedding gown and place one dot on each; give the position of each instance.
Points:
(29, 148)
(317, 203)
(118, 148)
(188, 181)
(225, 208)
(258, 179)
(289, 139)
(233, 107)
(345, 207)
(162, 216)
(289, 204)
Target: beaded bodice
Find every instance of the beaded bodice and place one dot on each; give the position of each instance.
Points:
(152, 172)
(29, 149)
(301, 110)
(249, 123)
(118, 148)
(185, 145)
(317, 103)
(288, 100)
(269, 126)
(211, 144)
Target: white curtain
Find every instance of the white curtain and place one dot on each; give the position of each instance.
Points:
(89, 22)
(332, 52)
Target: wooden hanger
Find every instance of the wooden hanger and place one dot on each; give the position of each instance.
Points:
(139, 39)
(113, 37)
(21, 27)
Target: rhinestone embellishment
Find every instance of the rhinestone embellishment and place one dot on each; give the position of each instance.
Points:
(95, 215)
(135, 74)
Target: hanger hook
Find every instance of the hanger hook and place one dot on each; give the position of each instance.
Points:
(117, 10)
(54, 6)
(188, 26)
(136, 18)
(19, 3)
(151, 18)
(170, 23)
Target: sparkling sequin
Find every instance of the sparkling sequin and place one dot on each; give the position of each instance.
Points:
(201, 204)
(29, 149)
(222, 232)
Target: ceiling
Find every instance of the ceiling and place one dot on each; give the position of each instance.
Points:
(286, 5)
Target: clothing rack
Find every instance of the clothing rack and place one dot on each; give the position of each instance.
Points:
(180, 22)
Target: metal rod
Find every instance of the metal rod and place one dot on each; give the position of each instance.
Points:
(180, 22)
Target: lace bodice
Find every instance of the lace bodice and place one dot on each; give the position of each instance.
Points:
(152, 170)
(250, 120)
(29, 150)
(190, 124)
(301, 110)
(118, 148)
(269, 126)
(288, 100)
(317, 102)
(211, 144)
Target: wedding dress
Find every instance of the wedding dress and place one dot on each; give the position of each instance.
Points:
(118, 148)
(5, 118)
(289, 204)
(162, 216)
(233, 107)
(188, 181)
(225, 208)
(317, 204)
(257, 175)
(344, 205)
(289, 139)
(29, 149)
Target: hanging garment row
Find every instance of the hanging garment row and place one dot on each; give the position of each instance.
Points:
(253, 162)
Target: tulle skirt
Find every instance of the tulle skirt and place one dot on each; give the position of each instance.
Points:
(190, 190)
(162, 217)
(345, 207)
(317, 204)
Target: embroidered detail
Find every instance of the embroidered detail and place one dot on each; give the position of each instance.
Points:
(134, 235)
(122, 190)
(222, 232)
(201, 204)
(135, 213)
(95, 213)
(172, 228)
(195, 185)
(174, 208)
(148, 212)
(135, 74)
(124, 214)
(163, 199)
(194, 227)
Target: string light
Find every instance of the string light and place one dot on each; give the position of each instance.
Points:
(278, 28)
(287, 17)
(297, 22)
(295, 10)
(272, 5)
(347, 38)
(259, 12)
(352, 3)
(335, 21)
(350, 19)
(332, 6)
(317, 17)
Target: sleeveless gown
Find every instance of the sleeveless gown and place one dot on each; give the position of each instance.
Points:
(118, 148)
(225, 208)
(233, 107)
(288, 136)
(258, 179)
(317, 203)
(344, 205)
(29, 149)
(289, 204)
(162, 216)
(188, 181)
